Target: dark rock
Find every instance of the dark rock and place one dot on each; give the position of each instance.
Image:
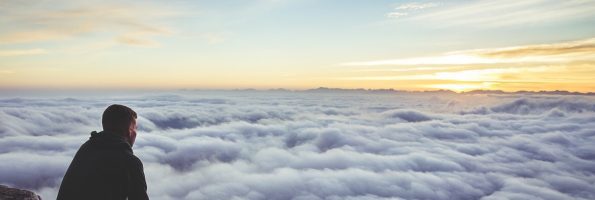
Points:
(7, 193)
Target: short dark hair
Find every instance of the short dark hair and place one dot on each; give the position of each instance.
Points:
(117, 118)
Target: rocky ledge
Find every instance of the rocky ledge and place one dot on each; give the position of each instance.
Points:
(7, 193)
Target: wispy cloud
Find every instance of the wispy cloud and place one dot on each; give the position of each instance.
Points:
(573, 48)
(42, 22)
(135, 41)
(6, 72)
(470, 75)
(404, 9)
(22, 52)
(415, 6)
(396, 14)
(28, 36)
(446, 59)
(487, 13)
(565, 63)
(557, 52)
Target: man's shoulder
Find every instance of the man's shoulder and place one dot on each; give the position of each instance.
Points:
(133, 161)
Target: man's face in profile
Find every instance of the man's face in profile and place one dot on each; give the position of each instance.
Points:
(132, 132)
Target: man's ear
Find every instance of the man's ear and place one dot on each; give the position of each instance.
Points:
(131, 136)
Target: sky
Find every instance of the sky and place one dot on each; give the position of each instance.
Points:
(410, 45)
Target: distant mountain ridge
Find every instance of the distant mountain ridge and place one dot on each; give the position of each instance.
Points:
(553, 92)
(390, 90)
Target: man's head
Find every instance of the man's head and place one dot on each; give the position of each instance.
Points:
(120, 119)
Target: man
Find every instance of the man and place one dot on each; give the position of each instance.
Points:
(105, 167)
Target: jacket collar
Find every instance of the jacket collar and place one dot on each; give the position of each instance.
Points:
(110, 138)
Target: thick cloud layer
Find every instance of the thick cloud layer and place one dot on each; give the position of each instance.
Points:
(300, 145)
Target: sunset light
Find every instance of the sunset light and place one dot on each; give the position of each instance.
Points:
(297, 99)
(266, 44)
(463, 87)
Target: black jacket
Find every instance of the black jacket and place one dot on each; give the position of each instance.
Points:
(104, 168)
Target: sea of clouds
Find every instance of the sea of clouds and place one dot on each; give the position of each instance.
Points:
(314, 145)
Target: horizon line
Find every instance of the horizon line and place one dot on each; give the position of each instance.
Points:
(321, 88)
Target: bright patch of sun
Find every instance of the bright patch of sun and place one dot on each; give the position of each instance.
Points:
(462, 87)
(474, 75)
